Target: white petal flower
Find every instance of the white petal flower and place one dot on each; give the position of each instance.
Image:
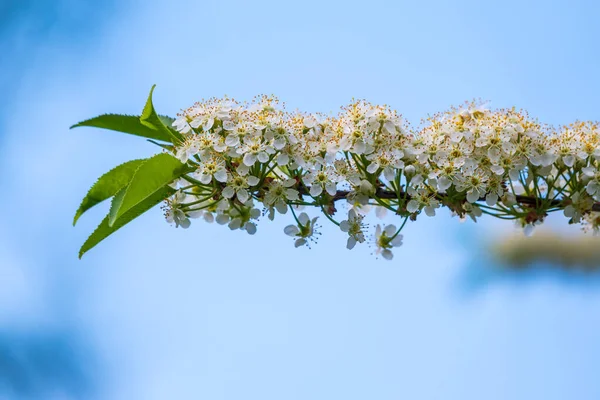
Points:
(228, 192)
(330, 188)
(305, 231)
(253, 180)
(291, 230)
(569, 160)
(175, 212)
(412, 206)
(283, 159)
(235, 224)
(250, 159)
(472, 196)
(310, 121)
(429, 211)
(444, 183)
(222, 219)
(250, 228)
(491, 199)
(385, 240)
(372, 168)
(258, 153)
(528, 230)
(316, 190)
(263, 157)
(589, 171)
(303, 218)
(242, 195)
(387, 254)
(351, 243)
(221, 175)
(509, 199)
(354, 227)
(182, 125)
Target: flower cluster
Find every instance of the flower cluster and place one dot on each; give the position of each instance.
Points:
(254, 159)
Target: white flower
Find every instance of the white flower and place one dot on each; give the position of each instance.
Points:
(422, 200)
(593, 188)
(569, 160)
(255, 149)
(187, 150)
(444, 183)
(412, 206)
(491, 199)
(474, 183)
(304, 231)
(174, 213)
(310, 121)
(509, 199)
(322, 179)
(279, 192)
(473, 211)
(366, 155)
(580, 205)
(239, 186)
(361, 193)
(181, 124)
(388, 161)
(353, 226)
(213, 167)
(241, 217)
(204, 120)
(592, 222)
(386, 239)
(528, 229)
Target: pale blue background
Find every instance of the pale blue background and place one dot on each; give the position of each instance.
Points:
(160, 313)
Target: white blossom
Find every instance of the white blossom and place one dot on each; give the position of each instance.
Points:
(353, 226)
(303, 231)
(385, 239)
(472, 159)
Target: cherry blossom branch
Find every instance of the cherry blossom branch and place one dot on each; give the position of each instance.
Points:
(387, 194)
(234, 163)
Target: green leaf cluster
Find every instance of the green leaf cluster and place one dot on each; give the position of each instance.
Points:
(138, 185)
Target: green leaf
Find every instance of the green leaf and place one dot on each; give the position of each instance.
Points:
(154, 174)
(116, 204)
(166, 120)
(104, 229)
(108, 185)
(168, 147)
(127, 123)
(151, 119)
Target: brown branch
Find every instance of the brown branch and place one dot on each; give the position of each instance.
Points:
(386, 194)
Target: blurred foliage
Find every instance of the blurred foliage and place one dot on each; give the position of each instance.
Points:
(551, 248)
(28, 27)
(43, 365)
(34, 17)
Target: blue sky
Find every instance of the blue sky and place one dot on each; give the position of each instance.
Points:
(157, 312)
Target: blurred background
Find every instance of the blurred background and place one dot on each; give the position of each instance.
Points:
(161, 313)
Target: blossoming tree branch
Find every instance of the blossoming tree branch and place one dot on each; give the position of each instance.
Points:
(235, 163)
